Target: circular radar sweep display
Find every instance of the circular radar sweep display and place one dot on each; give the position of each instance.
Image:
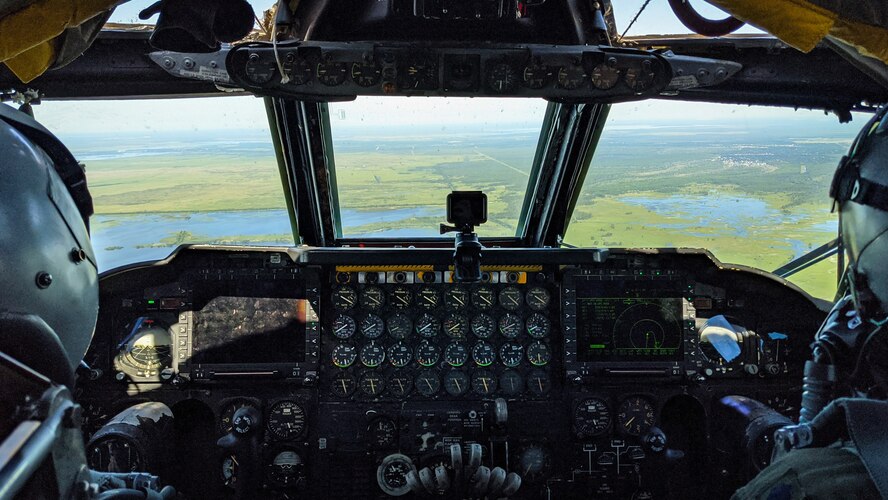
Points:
(647, 326)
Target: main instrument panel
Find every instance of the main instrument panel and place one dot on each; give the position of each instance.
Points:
(373, 374)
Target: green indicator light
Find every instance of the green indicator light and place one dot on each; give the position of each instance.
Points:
(596, 346)
(151, 302)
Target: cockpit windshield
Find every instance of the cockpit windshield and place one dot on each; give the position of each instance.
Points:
(397, 158)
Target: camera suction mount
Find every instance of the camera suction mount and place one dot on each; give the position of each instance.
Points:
(465, 210)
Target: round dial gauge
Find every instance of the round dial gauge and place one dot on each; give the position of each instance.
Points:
(382, 433)
(428, 298)
(536, 76)
(538, 298)
(502, 78)
(483, 354)
(401, 297)
(345, 298)
(372, 384)
(638, 79)
(510, 298)
(299, 71)
(392, 475)
(344, 326)
(399, 355)
(571, 77)
(114, 454)
(511, 383)
(456, 326)
(427, 383)
(148, 348)
(372, 354)
(259, 71)
(400, 384)
(286, 420)
(484, 382)
(538, 382)
(456, 383)
(365, 75)
(344, 355)
(538, 326)
(591, 417)
(419, 76)
(229, 471)
(635, 416)
(225, 423)
(510, 326)
(456, 354)
(535, 463)
(427, 354)
(331, 74)
(538, 353)
(427, 326)
(483, 326)
(372, 297)
(604, 77)
(343, 385)
(456, 298)
(286, 468)
(372, 326)
(483, 298)
(511, 354)
(399, 326)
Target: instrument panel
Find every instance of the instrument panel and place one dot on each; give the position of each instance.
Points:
(580, 372)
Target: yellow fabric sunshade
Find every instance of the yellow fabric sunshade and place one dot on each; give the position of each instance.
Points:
(26, 36)
(803, 24)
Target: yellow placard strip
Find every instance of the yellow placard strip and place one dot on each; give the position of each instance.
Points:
(384, 269)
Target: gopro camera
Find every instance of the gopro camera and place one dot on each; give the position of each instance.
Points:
(466, 209)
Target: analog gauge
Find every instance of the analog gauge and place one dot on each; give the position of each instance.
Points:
(401, 297)
(511, 354)
(229, 471)
(538, 326)
(400, 384)
(345, 298)
(483, 326)
(502, 78)
(456, 354)
(344, 327)
(571, 77)
(511, 383)
(382, 433)
(538, 298)
(365, 75)
(427, 383)
(510, 298)
(344, 355)
(147, 348)
(456, 298)
(286, 469)
(372, 354)
(286, 420)
(372, 326)
(427, 326)
(423, 75)
(428, 298)
(225, 418)
(456, 326)
(343, 385)
(372, 297)
(635, 416)
(484, 382)
(538, 353)
(331, 74)
(591, 418)
(299, 71)
(510, 326)
(538, 382)
(427, 354)
(399, 355)
(399, 326)
(536, 76)
(534, 464)
(483, 354)
(456, 383)
(483, 298)
(372, 384)
(392, 475)
(259, 71)
(604, 77)
(638, 79)
(114, 454)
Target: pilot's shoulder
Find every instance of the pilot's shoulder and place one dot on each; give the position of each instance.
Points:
(817, 473)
